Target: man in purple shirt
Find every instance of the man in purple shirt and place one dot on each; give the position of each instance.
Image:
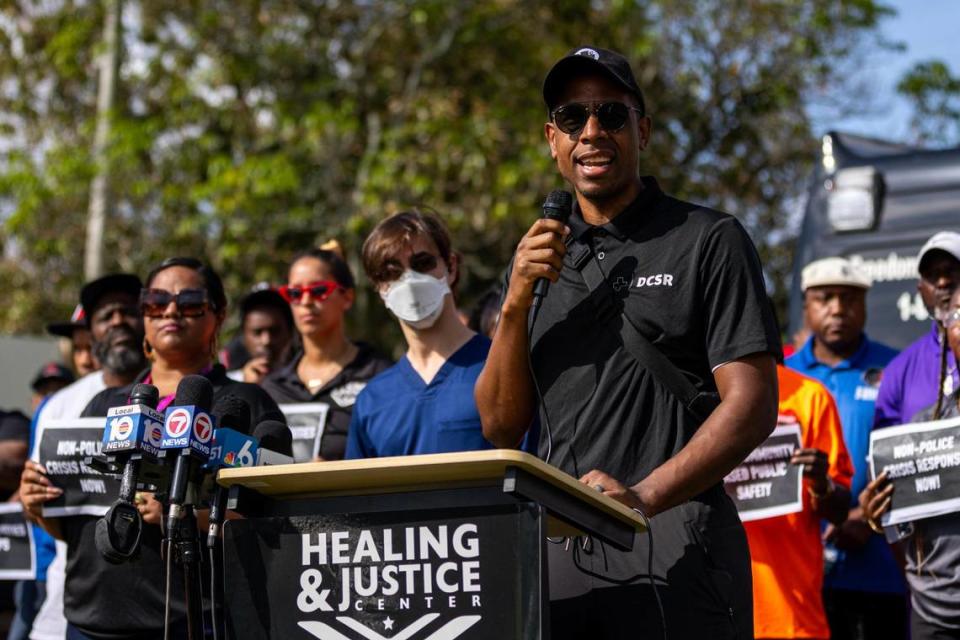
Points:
(912, 379)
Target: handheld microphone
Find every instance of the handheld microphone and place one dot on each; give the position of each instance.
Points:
(131, 431)
(187, 433)
(232, 447)
(557, 206)
(276, 443)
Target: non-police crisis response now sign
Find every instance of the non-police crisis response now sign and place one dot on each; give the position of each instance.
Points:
(922, 461)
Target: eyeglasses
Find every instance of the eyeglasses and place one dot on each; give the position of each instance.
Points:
(421, 262)
(572, 118)
(191, 303)
(319, 291)
(952, 319)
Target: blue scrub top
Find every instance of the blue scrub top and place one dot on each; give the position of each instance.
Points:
(399, 414)
(854, 384)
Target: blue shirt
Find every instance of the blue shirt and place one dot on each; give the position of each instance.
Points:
(854, 384)
(399, 414)
(44, 546)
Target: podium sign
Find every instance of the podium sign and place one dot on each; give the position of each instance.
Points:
(416, 575)
(434, 547)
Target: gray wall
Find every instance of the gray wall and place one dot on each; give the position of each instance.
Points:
(20, 359)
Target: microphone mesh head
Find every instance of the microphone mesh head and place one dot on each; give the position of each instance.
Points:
(558, 205)
(233, 413)
(195, 390)
(275, 436)
(145, 394)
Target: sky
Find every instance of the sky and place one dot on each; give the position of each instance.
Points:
(930, 29)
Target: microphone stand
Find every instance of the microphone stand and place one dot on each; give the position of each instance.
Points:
(183, 547)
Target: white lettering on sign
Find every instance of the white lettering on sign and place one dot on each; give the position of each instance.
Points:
(754, 491)
(927, 483)
(412, 562)
(93, 485)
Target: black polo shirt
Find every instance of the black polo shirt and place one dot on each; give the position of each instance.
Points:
(690, 279)
(285, 386)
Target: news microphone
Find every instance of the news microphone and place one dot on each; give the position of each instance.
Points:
(131, 430)
(187, 433)
(232, 447)
(276, 443)
(557, 206)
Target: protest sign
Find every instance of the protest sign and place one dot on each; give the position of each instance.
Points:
(307, 422)
(63, 445)
(922, 461)
(766, 484)
(16, 544)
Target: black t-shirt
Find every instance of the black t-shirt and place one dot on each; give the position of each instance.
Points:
(107, 601)
(285, 386)
(691, 281)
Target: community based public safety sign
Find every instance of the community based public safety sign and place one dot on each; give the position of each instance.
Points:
(383, 576)
(766, 484)
(922, 461)
(62, 447)
(16, 544)
(307, 421)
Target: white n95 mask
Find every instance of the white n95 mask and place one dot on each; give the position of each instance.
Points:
(416, 298)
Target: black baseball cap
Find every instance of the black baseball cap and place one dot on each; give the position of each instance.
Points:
(78, 320)
(115, 282)
(590, 59)
(51, 371)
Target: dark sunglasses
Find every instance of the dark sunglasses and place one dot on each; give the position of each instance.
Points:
(572, 118)
(319, 291)
(191, 303)
(421, 262)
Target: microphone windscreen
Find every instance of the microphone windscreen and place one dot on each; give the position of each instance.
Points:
(233, 413)
(145, 394)
(275, 436)
(558, 205)
(195, 390)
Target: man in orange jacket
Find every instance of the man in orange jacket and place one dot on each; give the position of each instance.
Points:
(786, 551)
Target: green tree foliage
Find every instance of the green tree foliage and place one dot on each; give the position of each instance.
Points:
(250, 129)
(935, 95)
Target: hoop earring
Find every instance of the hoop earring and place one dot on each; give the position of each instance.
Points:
(147, 350)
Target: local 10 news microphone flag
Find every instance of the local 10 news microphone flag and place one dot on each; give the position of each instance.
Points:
(132, 434)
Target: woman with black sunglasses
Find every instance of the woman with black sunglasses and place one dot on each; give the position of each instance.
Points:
(330, 368)
(183, 304)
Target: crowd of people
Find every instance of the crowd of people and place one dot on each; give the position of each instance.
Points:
(649, 370)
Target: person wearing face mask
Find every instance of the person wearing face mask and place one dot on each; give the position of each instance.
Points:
(330, 367)
(424, 403)
(925, 371)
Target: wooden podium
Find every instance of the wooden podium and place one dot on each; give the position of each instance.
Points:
(432, 547)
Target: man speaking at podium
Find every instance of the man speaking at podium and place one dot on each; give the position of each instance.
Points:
(641, 276)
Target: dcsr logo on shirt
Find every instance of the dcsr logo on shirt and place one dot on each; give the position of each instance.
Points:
(655, 280)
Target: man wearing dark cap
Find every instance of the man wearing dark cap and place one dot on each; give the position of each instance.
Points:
(111, 314)
(78, 334)
(266, 328)
(51, 377)
(654, 354)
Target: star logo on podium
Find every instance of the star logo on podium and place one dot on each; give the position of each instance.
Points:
(423, 628)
